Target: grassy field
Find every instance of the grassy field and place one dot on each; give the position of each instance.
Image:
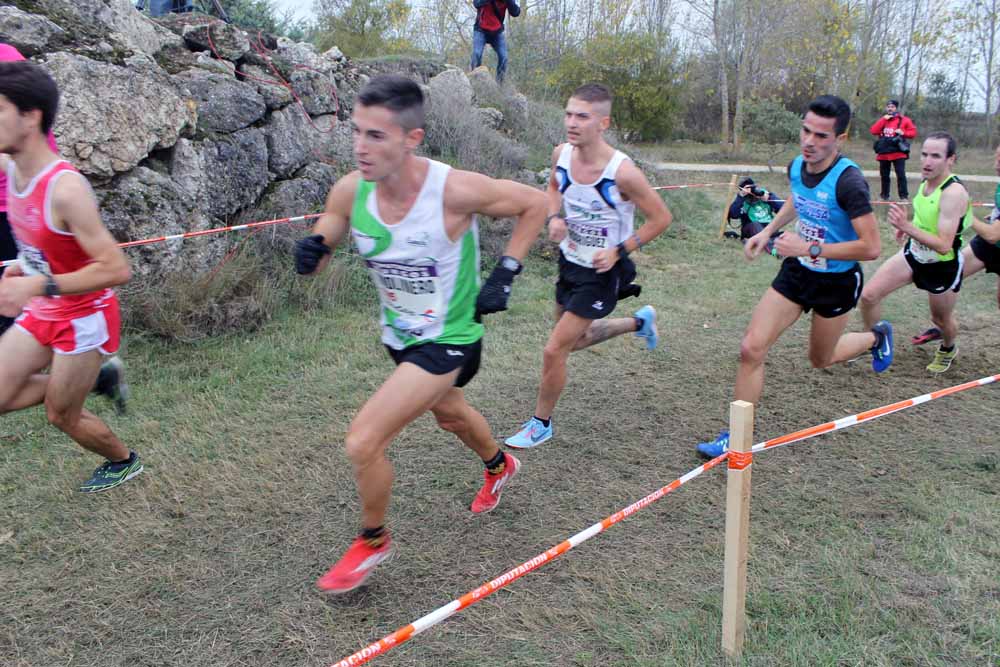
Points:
(971, 159)
(873, 546)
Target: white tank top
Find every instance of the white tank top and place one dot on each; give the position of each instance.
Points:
(427, 283)
(596, 214)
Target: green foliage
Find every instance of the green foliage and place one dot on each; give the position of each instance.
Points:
(363, 28)
(260, 15)
(641, 76)
(769, 122)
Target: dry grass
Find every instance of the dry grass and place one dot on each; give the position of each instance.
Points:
(873, 546)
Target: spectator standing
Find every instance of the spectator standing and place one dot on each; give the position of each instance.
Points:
(490, 16)
(894, 131)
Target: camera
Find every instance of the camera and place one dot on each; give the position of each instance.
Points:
(757, 191)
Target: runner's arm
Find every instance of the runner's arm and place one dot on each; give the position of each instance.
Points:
(785, 215)
(557, 224)
(469, 193)
(989, 231)
(954, 204)
(336, 218)
(633, 184)
(74, 205)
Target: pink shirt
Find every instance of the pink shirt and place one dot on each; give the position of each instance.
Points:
(9, 54)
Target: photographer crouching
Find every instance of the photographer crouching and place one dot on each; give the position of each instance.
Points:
(754, 207)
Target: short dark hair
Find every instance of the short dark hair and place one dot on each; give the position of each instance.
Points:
(593, 93)
(950, 140)
(398, 94)
(29, 87)
(831, 106)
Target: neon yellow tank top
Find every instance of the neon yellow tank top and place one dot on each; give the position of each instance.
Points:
(926, 211)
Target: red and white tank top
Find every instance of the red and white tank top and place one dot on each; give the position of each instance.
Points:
(45, 250)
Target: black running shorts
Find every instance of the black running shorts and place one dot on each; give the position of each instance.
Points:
(585, 292)
(987, 253)
(829, 294)
(442, 358)
(936, 277)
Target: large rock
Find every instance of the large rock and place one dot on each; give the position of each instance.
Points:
(290, 141)
(305, 193)
(336, 143)
(146, 204)
(224, 104)
(224, 40)
(485, 91)
(317, 91)
(452, 88)
(275, 94)
(30, 34)
(112, 28)
(112, 117)
(233, 171)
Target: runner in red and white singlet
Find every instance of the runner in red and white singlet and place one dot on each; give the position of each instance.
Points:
(61, 285)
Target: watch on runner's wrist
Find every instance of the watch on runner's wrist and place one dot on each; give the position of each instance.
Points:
(510, 264)
(51, 288)
(622, 250)
(814, 250)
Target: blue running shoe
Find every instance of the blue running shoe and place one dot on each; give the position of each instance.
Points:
(532, 434)
(717, 447)
(648, 331)
(882, 352)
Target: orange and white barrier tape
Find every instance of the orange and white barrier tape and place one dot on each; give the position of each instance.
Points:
(406, 633)
(203, 232)
(868, 415)
(689, 185)
(737, 461)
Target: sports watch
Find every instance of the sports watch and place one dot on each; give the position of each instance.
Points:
(814, 250)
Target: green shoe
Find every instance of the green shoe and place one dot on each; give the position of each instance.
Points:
(108, 475)
(942, 360)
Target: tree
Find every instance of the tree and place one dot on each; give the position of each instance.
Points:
(363, 28)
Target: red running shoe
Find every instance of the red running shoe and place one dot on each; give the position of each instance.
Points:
(354, 566)
(931, 334)
(493, 486)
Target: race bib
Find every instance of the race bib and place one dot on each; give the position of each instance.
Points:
(583, 242)
(922, 253)
(812, 234)
(411, 293)
(32, 261)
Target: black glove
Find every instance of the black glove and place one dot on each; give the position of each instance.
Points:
(496, 290)
(308, 253)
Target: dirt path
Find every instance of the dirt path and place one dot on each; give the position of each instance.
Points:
(763, 169)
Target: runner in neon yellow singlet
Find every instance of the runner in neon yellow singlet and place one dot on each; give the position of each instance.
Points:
(413, 221)
(930, 257)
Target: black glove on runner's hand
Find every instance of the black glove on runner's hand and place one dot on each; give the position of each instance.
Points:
(496, 290)
(308, 253)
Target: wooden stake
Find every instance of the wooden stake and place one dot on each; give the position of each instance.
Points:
(731, 194)
(734, 591)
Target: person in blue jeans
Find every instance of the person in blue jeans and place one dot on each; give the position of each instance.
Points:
(163, 7)
(489, 29)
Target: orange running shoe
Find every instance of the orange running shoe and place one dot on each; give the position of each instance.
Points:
(354, 566)
(493, 486)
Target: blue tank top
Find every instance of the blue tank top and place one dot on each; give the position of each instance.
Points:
(820, 217)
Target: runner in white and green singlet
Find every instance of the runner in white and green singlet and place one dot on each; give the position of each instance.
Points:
(413, 221)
